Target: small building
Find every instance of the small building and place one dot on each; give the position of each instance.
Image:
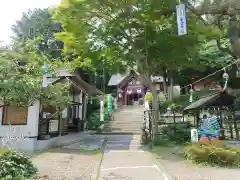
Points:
(36, 127)
(130, 90)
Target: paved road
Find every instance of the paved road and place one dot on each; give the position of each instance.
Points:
(124, 159)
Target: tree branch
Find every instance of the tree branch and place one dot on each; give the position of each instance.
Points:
(214, 9)
(218, 23)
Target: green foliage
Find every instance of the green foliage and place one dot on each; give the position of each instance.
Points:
(39, 23)
(17, 166)
(178, 133)
(211, 56)
(183, 100)
(129, 33)
(94, 122)
(212, 153)
(21, 78)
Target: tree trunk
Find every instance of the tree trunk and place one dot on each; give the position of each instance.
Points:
(155, 107)
(170, 97)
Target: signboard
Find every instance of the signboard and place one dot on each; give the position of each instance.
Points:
(53, 125)
(15, 115)
(181, 19)
(101, 110)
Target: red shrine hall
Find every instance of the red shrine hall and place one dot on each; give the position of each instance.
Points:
(129, 90)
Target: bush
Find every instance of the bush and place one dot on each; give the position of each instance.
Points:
(178, 133)
(94, 122)
(17, 166)
(212, 153)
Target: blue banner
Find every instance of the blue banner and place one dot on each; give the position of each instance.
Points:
(181, 19)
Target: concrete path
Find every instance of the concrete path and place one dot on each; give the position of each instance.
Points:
(124, 159)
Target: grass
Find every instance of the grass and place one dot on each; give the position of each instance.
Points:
(170, 149)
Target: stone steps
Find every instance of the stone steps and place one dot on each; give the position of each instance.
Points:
(127, 120)
(122, 125)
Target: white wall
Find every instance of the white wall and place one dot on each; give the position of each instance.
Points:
(29, 131)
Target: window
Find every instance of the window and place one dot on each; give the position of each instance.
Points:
(15, 115)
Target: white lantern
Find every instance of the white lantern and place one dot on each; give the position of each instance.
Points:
(139, 91)
(129, 91)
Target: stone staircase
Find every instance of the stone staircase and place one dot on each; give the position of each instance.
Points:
(126, 120)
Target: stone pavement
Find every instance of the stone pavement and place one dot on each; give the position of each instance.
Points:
(124, 159)
(77, 160)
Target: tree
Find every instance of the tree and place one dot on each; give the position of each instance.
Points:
(39, 24)
(134, 34)
(210, 60)
(21, 78)
(223, 16)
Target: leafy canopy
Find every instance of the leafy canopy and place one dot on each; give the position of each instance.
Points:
(21, 78)
(130, 33)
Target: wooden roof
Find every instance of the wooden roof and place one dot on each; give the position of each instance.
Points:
(213, 100)
(76, 81)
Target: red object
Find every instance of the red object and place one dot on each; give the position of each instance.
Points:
(207, 139)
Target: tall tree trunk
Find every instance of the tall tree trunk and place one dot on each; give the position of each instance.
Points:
(155, 107)
(170, 97)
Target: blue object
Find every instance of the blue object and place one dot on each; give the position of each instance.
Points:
(209, 133)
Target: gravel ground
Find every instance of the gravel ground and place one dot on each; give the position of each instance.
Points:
(67, 164)
(182, 170)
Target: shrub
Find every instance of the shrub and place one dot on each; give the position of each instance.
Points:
(212, 153)
(160, 140)
(17, 166)
(94, 122)
(178, 133)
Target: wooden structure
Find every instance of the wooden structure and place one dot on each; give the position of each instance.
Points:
(73, 118)
(220, 104)
(129, 89)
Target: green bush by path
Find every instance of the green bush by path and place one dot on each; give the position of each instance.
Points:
(16, 166)
(178, 133)
(212, 153)
(94, 122)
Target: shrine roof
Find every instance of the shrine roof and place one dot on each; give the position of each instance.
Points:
(212, 100)
(116, 79)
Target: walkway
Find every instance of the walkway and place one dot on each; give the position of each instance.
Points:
(127, 119)
(124, 159)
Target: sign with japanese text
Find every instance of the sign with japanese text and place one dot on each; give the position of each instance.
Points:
(181, 19)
